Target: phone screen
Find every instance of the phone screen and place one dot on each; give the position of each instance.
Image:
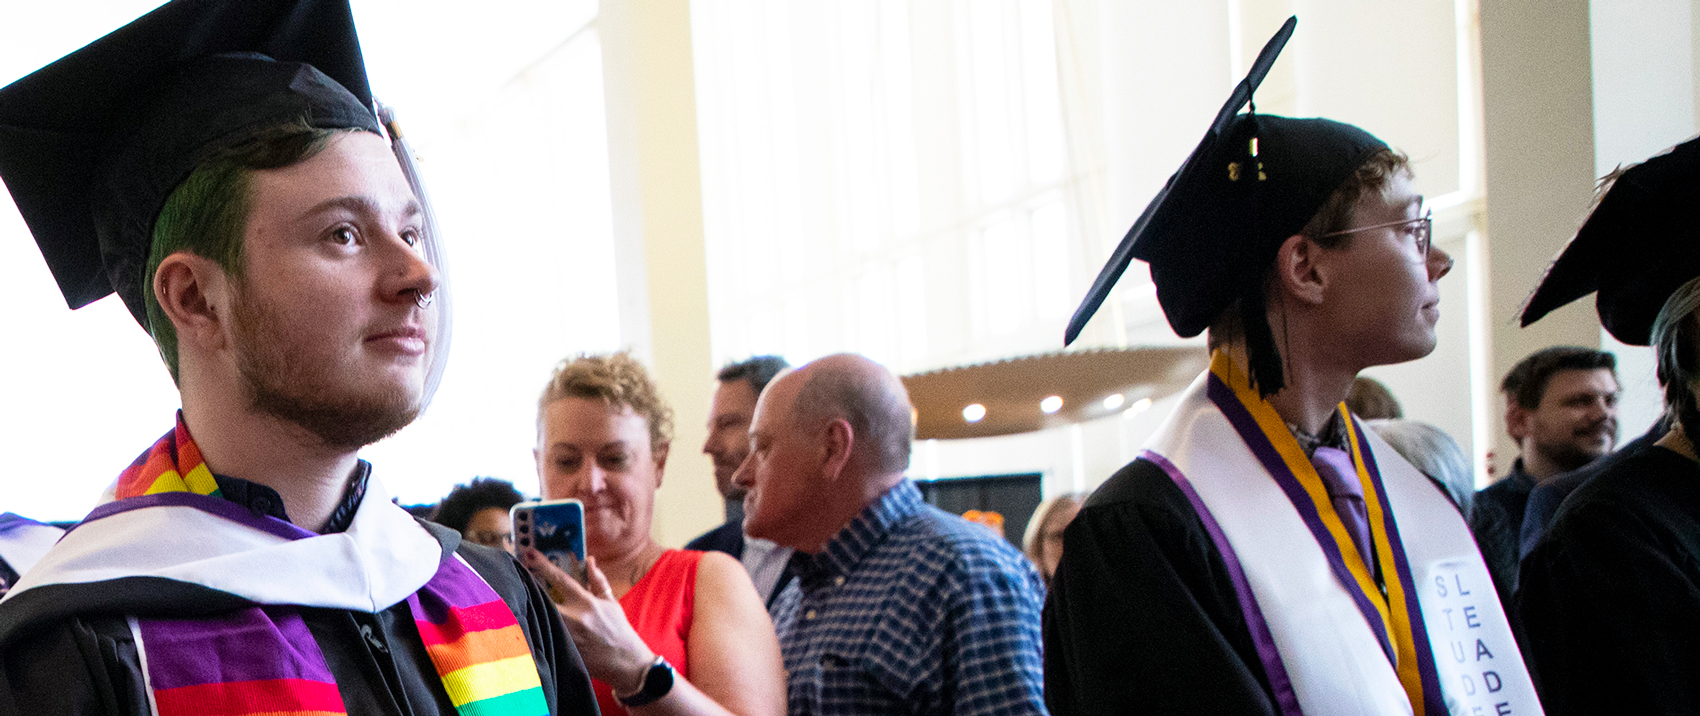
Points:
(555, 528)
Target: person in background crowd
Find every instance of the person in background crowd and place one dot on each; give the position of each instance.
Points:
(1042, 541)
(663, 631)
(1561, 409)
(220, 166)
(1266, 554)
(728, 443)
(1370, 400)
(478, 510)
(1435, 454)
(1550, 494)
(22, 543)
(427, 512)
(1609, 600)
(900, 607)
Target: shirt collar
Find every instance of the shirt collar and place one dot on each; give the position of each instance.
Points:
(1333, 435)
(858, 538)
(266, 502)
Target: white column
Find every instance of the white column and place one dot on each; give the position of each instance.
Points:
(658, 233)
(1538, 118)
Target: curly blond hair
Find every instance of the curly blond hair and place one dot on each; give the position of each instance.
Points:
(616, 379)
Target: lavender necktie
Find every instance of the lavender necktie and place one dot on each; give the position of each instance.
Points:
(1340, 478)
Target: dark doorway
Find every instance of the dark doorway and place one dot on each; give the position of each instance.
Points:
(1015, 497)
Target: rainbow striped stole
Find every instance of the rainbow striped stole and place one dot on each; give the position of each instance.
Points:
(255, 661)
(1394, 616)
(476, 645)
(263, 661)
(172, 464)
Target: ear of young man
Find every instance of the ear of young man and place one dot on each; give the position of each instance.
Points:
(194, 293)
(1300, 272)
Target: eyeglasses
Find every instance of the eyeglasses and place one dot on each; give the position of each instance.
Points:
(1422, 228)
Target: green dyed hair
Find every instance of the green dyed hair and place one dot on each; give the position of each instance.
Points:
(207, 214)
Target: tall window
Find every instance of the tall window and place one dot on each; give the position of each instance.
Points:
(889, 178)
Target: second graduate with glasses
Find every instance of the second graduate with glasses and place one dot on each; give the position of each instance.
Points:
(1266, 554)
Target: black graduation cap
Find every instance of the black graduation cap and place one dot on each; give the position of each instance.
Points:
(1638, 246)
(1213, 230)
(93, 144)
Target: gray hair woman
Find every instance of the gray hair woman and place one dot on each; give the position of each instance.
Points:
(1435, 454)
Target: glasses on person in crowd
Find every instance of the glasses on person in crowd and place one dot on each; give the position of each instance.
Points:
(1420, 229)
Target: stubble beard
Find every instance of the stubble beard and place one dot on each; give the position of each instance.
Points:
(1568, 455)
(728, 489)
(282, 383)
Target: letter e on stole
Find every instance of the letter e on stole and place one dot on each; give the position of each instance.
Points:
(1471, 640)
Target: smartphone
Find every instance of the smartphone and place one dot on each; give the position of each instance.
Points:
(555, 528)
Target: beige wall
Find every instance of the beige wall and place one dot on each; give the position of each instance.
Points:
(1539, 149)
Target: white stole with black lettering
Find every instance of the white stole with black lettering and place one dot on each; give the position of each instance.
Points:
(1327, 647)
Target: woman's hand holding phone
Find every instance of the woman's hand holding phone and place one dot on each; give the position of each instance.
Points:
(612, 651)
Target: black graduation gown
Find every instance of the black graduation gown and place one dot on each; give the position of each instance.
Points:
(1142, 616)
(1610, 599)
(52, 664)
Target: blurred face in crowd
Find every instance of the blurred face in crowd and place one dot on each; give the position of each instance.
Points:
(491, 527)
(601, 455)
(1384, 291)
(1051, 536)
(1575, 422)
(326, 331)
(729, 416)
(785, 461)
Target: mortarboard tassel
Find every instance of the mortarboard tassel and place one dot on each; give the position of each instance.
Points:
(1263, 358)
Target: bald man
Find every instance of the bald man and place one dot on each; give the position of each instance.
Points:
(899, 607)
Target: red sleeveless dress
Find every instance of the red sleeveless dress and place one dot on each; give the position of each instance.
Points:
(659, 609)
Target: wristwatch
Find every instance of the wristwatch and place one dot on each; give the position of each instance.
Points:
(657, 682)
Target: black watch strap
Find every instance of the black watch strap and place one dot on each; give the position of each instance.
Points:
(657, 683)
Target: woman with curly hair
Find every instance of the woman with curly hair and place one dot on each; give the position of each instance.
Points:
(662, 631)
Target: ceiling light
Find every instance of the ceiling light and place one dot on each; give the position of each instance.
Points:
(1139, 406)
(974, 413)
(1051, 404)
(1113, 401)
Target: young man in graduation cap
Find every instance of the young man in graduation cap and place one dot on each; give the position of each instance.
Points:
(1266, 554)
(1609, 599)
(219, 165)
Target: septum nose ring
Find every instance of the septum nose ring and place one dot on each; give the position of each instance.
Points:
(423, 299)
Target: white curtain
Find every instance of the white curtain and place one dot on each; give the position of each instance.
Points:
(890, 178)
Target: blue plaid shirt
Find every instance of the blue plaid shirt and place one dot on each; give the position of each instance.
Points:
(910, 610)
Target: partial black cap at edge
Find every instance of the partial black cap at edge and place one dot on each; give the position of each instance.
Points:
(92, 144)
(1640, 244)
